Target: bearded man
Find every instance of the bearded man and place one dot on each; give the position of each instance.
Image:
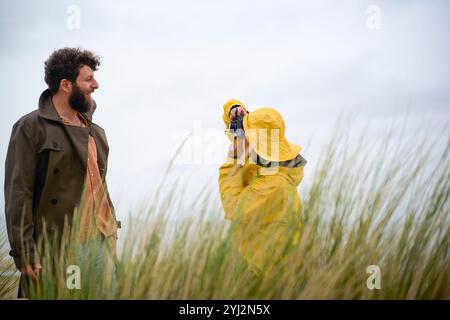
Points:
(56, 167)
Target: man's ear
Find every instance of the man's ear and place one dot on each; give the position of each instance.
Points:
(66, 86)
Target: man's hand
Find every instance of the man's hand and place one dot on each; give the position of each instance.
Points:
(238, 111)
(32, 270)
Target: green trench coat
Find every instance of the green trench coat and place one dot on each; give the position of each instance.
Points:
(45, 171)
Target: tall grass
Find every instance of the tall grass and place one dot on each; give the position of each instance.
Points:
(8, 276)
(385, 205)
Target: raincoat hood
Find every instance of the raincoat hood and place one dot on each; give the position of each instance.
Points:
(265, 130)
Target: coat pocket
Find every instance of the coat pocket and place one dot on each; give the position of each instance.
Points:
(53, 157)
(44, 158)
(50, 145)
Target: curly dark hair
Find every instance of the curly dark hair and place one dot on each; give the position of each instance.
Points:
(65, 63)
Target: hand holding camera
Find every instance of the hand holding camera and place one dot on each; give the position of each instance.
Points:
(237, 111)
(239, 146)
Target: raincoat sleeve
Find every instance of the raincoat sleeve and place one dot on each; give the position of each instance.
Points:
(231, 184)
(19, 184)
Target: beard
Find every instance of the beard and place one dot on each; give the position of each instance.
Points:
(78, 100)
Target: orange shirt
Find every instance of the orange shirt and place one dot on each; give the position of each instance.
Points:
(95, 211)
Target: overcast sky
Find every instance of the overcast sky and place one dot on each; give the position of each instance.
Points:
(168, 67)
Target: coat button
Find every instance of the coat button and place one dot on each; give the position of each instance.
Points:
(56, 171)
(55, 145)
(54, 201)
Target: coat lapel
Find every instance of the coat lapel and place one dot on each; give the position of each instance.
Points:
(77, 136)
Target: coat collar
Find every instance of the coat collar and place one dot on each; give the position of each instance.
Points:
(47, 109)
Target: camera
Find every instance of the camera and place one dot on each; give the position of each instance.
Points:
(237, 127)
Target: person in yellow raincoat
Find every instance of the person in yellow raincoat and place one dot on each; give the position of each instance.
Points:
(258, 186)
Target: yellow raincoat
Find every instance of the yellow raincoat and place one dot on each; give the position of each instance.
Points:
(261, 198)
